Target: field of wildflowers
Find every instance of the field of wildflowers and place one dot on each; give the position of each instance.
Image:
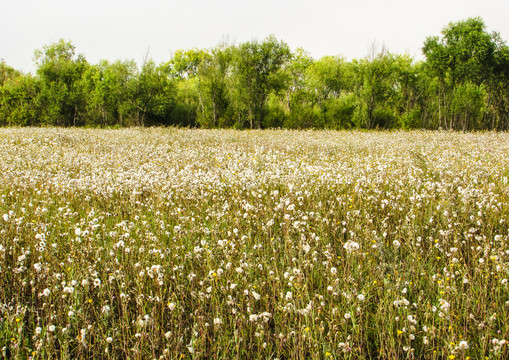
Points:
(170, 244)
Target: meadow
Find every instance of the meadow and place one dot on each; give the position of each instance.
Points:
(164, 243)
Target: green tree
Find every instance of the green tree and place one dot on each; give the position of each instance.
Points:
(410, 85)
(7, 73)
(60, 71)
(152, 94)
(19, 101)
(298, 101)
(208, 73)
(213, 87)
(330, 80)
(185, 64)
(465, 54)
(497, 94)
(186, 67)
(107, 87)
(468, 103)
(377, 91)
(258, 72)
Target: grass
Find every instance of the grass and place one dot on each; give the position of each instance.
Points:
(173, 244)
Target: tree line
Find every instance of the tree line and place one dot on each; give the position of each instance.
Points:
(462, 84)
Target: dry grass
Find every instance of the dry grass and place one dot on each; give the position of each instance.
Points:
(166, 243)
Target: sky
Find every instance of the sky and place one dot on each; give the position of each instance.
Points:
(131, 29)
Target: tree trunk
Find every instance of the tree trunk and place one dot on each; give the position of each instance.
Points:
(439, 110)
(214, 114)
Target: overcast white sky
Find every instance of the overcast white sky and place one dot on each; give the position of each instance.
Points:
(126, 29)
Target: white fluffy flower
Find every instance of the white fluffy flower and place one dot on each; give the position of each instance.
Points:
(444, 305)
(351, 246)
(463, 345)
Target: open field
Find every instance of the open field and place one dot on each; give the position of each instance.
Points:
(167, 243)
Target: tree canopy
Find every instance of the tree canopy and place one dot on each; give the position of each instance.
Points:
(462, 84)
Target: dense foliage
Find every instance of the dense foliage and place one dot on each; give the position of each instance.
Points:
(463, 84)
